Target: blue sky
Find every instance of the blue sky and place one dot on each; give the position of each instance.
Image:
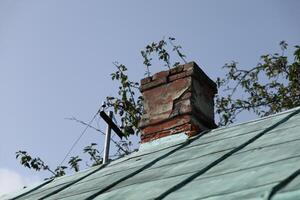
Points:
(56, 57)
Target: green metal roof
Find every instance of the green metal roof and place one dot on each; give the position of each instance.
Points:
(256, 160)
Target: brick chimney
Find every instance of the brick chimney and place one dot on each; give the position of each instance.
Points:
(180, 100)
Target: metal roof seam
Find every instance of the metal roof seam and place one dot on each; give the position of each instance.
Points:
(283, 184)
(73, 182)
(143, 168)
(33, 189)
(224, 157)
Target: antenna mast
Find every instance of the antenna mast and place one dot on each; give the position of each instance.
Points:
(107, 139)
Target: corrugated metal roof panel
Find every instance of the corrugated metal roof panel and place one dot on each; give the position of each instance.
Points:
(245, 161)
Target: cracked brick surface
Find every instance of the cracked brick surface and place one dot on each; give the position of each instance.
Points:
(178, 100)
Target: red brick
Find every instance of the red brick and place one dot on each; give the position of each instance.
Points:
(177, 76)
(146, 80)
(176, 101)
(160, 75)
(176, 70)
(167, 124)
(189, 66)
(181, 108)
(194, 130)
(187, 95)
(153, 83)
(184, 128)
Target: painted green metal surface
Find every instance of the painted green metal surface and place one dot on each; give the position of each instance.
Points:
(247, 161)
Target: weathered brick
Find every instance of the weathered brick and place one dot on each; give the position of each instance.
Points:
(178, 100)
(160, 75)
(194, 130)
(166, 124)
(146, 80)
(177, 76)
(188, 128)
(187, 95)
(181, 107)
(176, 70)
(153, 83)
(159, 101)
(189, 66)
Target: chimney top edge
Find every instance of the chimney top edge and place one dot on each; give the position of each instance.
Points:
(180, 71)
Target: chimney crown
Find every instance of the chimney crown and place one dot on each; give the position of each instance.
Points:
(175, 101)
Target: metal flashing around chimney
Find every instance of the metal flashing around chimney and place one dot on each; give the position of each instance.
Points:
(175, 101)
(164, 142)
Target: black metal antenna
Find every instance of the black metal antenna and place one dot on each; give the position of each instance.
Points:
(108, 118)
(110, 122)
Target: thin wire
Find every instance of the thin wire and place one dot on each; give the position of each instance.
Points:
(84, 123)
(98, 123)
(99, 130)
(77, 140)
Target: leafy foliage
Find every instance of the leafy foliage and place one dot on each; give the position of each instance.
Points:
(160, 49)
(93, 153)
(127, 105)
(59, 171)
(74, 163)
(129, 102)
(126, 145)
(37, 164)
(273, 85)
